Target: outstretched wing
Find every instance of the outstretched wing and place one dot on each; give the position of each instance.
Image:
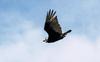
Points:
(51, 24)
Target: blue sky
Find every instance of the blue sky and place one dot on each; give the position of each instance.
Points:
(21, 31)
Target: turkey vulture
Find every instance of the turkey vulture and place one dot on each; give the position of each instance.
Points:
(52, 27)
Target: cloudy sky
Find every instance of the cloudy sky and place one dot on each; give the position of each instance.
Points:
(22, 33)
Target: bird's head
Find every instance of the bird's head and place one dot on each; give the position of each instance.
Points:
(45, 40)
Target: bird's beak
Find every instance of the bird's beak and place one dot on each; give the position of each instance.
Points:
(45, 40)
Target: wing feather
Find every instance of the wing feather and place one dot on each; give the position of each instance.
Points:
(52, 25)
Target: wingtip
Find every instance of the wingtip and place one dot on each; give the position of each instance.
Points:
(51, 12)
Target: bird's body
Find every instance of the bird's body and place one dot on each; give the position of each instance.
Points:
(52, 27)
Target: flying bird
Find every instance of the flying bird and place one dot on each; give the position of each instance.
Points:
(52, 27)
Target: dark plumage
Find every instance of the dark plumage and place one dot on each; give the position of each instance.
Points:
(52, 27)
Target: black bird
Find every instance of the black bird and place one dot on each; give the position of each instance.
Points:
(52, 27)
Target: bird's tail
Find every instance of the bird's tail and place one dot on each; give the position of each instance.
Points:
(67, 32)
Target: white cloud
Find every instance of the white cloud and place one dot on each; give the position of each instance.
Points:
(98, 49)
(15, 53)
(76, 49)
(70, 49)
(21, 47)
